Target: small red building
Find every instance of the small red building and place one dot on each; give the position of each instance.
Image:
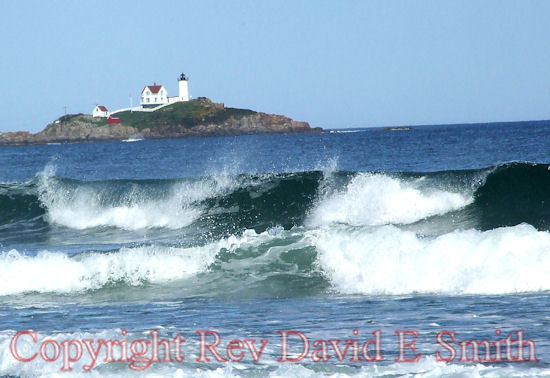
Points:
(112, 120)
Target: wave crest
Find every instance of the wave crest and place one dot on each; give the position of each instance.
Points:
(377, 199)
(387, 260)
(134, 266)
(131, 207)
(57, 272)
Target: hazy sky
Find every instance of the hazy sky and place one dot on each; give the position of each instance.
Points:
(333, 64)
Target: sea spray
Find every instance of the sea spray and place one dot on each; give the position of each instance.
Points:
(87, 205)
(377, 199)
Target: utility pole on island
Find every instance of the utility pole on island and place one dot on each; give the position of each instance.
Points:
(65, 109)
(131, 103)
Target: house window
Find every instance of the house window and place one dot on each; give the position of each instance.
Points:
(147, 99)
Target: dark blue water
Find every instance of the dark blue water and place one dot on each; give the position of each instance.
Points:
(427, 148)
(440, 228)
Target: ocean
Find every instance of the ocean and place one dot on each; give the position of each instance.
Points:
(359, 252)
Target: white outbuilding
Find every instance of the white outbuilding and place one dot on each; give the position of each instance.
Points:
(100, 111)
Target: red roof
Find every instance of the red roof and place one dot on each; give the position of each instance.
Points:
(102, 108)
(154, 88)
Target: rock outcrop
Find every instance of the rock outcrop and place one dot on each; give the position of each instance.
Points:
(195, 118)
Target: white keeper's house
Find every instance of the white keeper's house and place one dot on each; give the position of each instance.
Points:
(155, 95)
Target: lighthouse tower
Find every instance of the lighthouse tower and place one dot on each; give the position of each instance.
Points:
(183, 87)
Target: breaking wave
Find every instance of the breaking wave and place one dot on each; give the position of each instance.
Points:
(389, 261)
(346, 260)
(57, 272)
(132, 266)
(292, 233)
(126, 205)
(377, 199)
(505, 195)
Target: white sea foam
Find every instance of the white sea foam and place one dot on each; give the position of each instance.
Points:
(377, 199)
(129, 140)
(86, 207)
(37, 367)
(57, 272)
(345, 131)
(425, 367)
(386, 260)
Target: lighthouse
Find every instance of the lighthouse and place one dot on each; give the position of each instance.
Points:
(183, 88)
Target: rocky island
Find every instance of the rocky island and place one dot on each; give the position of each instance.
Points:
(195, 118)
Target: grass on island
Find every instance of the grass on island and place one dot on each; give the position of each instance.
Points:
(187, 114)
(73, 118)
